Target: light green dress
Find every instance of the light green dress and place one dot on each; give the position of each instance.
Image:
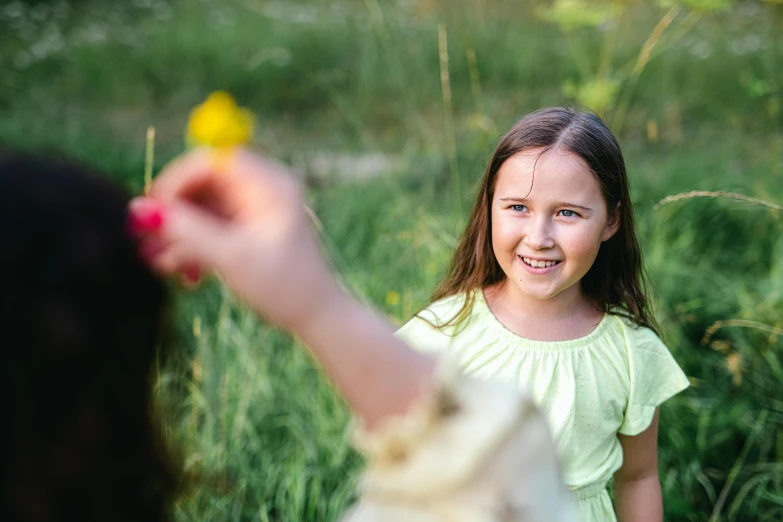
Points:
(590, 389)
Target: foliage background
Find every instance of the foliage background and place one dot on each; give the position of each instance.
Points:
(391, 110)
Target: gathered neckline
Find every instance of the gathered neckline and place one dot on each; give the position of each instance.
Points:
(515, 339)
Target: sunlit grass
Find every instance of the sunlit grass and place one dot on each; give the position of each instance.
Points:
(259, 427)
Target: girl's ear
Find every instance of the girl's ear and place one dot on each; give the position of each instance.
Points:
(613, 225)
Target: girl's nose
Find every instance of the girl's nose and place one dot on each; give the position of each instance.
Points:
(538, 235)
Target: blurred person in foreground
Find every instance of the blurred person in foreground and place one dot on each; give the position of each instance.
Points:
(441, 447)
(83, 317)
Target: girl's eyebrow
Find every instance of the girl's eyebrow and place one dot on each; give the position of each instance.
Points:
(588, 209)
(562, 204)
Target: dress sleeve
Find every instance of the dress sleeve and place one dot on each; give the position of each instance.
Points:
(468, 451)
(654, 378)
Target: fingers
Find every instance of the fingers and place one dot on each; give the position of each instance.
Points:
(178, 238)
(229, 184)
(194, 177)
(145, 215)
(208, 209)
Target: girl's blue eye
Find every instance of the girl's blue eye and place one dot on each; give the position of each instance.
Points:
(568, 213)
(518, 208)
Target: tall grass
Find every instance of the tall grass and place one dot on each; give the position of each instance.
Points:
(260, 429)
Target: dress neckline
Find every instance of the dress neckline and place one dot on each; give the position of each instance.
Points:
(512, 338)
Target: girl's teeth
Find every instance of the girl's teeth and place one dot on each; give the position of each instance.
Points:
(539, 264)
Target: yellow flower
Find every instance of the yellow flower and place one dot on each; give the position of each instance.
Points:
(392, 298)
(219, 123)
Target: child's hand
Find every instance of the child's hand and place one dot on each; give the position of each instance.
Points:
(244, 217)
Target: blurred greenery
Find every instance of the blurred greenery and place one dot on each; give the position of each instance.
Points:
(351, 93)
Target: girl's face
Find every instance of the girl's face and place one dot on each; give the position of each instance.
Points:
(546, 232)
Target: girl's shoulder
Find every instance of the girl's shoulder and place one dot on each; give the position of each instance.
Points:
(647, 357)
(436, 325)
(635, 337)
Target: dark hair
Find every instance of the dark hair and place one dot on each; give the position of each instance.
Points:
(81, 318)
(615, 282)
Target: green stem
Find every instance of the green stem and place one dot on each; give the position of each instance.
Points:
(735, 469)
(149, 159)
(448, 115)
(580, 57)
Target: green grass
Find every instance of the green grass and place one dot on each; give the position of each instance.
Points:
(259, 428)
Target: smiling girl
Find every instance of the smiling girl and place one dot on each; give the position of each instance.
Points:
(546, 290)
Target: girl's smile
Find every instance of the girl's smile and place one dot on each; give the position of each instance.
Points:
(538, 265)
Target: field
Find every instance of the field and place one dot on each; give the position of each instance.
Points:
(390, 111)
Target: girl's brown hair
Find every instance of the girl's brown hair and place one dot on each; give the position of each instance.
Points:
(615, 282)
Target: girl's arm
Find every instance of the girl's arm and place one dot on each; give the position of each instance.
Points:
(359, 351)
(247, 222)
(637, 488)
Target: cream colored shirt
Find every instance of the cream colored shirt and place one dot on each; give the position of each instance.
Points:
(469, 451)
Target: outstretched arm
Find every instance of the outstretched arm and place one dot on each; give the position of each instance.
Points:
(247, 222)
